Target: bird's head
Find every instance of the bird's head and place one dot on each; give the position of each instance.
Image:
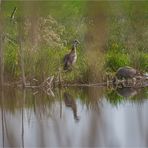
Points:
(76, 42)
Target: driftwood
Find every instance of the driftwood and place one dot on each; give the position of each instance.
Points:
(47, 86)
(137, 82)
(49, 83)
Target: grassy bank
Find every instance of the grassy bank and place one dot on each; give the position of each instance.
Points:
(112, 35)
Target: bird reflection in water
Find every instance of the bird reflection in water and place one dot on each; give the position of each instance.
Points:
(127, 92)
(71, 103)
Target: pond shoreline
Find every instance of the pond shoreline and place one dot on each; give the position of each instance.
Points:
(109, 84)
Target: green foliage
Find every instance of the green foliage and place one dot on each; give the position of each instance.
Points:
(139, 60)
(48, 35)
(47, 32)
(114, 60)
(11, 60)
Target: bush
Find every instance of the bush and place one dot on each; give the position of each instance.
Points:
(11, 62)
(139, 60)
(114, 60)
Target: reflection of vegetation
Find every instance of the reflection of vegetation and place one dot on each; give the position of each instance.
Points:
(115, 97)
(42, 104)
(91, 97)
(141, 95)
(14, 100)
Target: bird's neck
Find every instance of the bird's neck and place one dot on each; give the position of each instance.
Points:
(74, 48)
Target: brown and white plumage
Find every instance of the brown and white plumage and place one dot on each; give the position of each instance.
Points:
(70, 59)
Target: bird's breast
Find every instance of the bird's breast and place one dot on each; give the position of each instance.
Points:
(75, 58)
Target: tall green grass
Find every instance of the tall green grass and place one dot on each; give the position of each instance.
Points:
(114, 60)
(109, 38)
(139, 60)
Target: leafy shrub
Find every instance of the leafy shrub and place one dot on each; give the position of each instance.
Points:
(11, 60)
(114, 60)
(47, 31)
(139, 60)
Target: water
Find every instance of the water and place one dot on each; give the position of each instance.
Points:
(75, 117)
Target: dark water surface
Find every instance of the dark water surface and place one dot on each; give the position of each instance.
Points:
(82, 117)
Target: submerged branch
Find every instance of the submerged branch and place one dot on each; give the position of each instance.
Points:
(86, 85)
